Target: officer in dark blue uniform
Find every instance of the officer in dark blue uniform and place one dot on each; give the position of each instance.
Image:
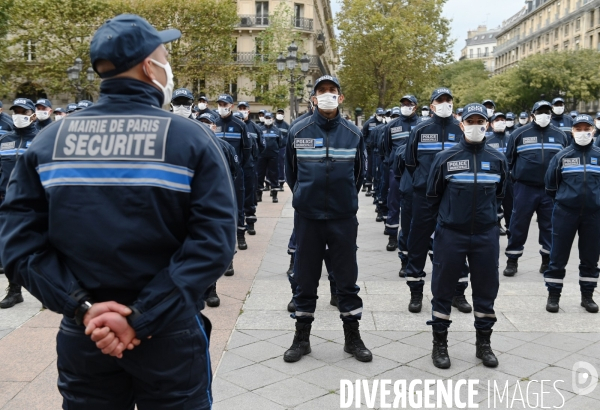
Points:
(597, 129)
(573, 180)
(233, 130)
(465, 183)
(559, 119)
(43, 112)
(324, 166)
(384, 175)
(510, 122)
(425, 113)
(498, 139)
(203, 106)
(12, 147)
(574, 114)
(459, 113)
(490, 107)
(182, 102)
(268, 159)
(71, 108)
(523, 119)
(529, 151)
(376, 136)
(59, 114)
(83, 104)
(134, 261)
(6, 122)
(284, 128)
(369, 126)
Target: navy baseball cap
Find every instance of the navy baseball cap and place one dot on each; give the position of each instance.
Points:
(327, 78)
(438, 92)
(238, 115)
(203, 97)
(557, 99)
(59, 110)
(523, 115)
(182, 93)
(84, 104)
(489, 102)
(268, 114)
(597, 114)
(474, 109)
(388, 112)
(510, 116)
(23, 103)
(583, 118)
(459, 110)
(379, 111)
(496, 115)
(261, 112)
(243, 104)
(396, 111)
(410, 98)
(574, 113)
(45, 102)
(126, 41)
(425, 107)
(541, 104)
(71, 107)
(207, 116)
(280, 110)
(225, 98)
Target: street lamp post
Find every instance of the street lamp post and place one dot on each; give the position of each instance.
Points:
(74, 75)
(290, 62)
(358, 112)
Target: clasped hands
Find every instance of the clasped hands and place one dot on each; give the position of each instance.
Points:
(107, 326)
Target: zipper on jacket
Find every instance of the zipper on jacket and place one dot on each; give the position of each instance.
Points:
(18, 148)
(474, 194)
(326, 174)
(584, 187)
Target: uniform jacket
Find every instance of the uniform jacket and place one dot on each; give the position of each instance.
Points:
(325, 163)
(12, 147)
(123, 201)
(465, 183)
(497, 140)
(530, 149)
(273, 140)
(564, 122)
(44, 124)
(573, 178)
(397, 132)
(426, 139)
(6, 123)
(284, 127)
(368, 126)
(255, 134)
(399, 168)
(233, 130)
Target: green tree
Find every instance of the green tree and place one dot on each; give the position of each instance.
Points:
(390, 48)
(5, 8)
(467, 79)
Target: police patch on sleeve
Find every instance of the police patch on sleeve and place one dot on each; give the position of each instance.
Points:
(461, 165)
(570, 162)
(304, 143)
(137, 138)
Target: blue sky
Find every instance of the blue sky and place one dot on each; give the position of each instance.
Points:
(468, 14)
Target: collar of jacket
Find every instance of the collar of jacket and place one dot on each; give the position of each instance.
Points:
(583, 148)
(325, 123)
(228, 118)
(556, 116)
(440, 120)
(31, 130)
(131, 90)
(536, 126)
(473, 147)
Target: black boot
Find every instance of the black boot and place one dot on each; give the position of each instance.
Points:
(13, 296)
(250, 229)
(588, 303)
(354, 345)
(379, 217)
(460, 302)
(392, 244)
(501, 229)
(213, 299)
(402, 272)
(300, 345)
(416, 301)
(259, 196)
(241, 237)
(291, 307)
(274, 195)
(511, 267)
(484, 349)
(552, 303)
(290, 271)
(364, 188)
(369, 193)
(545, 263)
(439, 354)
(229, 271)
(334, 301)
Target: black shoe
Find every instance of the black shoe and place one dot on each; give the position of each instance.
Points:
(280, 188)
(259, 196)
(545, 263)
(213, 299)
(274, 195)
(392, 244)
(300, 345)
(229, 271)
(13, 296)
(588, 303)
(439, 354)
(402, 272)
(552, 303)
(369, 192)
(290, 271)
(460, 302)
(416, 302)
(242, 245)
(334, 301)
(511, 267)
(484, 349)
(501, 229)
(379, 217)
(354, 345)
(250, 229)
(364, 189)
(291, 307)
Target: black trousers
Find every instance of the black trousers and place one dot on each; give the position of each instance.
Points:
(267, 167)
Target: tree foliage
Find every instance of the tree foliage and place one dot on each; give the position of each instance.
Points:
(390, 48)
(466, 79)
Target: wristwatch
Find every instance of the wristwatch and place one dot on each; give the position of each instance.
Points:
(81, 311)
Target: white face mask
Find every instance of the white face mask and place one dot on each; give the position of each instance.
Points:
(279, 117)
(475, 132)
(261, 119)
(558, 110)
(379, 118)
(522, 121)
(490, 111)
(459, 118)
(597, 122)
(166, 89)
(510, 124)
(542, 120)
(386, 120)
(327, 101)
(21, 121)
(182, 110)
(59, 117)
(42, 115)
(406, 111)
(582, 137)
(443, 110)
(268, 121)
(499, 126)
(202, 106)
(224, 111)
(244, 113)
(425, 113)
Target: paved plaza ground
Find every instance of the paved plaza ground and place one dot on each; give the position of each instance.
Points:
(252, 329)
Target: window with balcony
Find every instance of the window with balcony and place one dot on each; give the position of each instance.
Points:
(566, 30)
(262, 13)
(566, 45)
(577, 24)
(539, 42)
(471, 53)
(547, 38)
(478, 53)
(486, 52)
(29, 51)
(577, 41)
(592, 22)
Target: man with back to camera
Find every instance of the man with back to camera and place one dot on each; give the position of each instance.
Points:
(131, 266)
(498, 139)
(284, 127)
(368, 136)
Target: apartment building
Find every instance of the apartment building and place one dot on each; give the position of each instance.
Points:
(481, 45)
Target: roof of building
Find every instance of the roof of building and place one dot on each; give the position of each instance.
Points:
(483, 38)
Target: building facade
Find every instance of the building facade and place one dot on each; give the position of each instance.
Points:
(480, 45)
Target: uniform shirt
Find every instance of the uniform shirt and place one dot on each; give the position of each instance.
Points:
(284, 127)
(497, 140)
(255, 134)
(369, 126)
(6, 123)
(530, 149)
(399, 168)
(233, 130)
(573, 178)
(44, 124)
(397, 132)
(12, 147)
(426, 139)
(123, 201)
(273, 140)
(465, 183)
(563, 122)
(324, 165)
